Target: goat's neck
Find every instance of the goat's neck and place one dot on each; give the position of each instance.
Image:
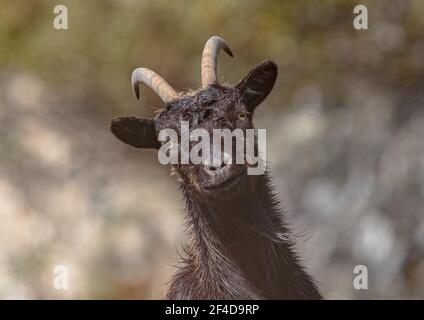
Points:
(243, 246)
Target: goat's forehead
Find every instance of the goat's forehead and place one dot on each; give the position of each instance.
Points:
(194, 104)
(195, 108)
(217, 95)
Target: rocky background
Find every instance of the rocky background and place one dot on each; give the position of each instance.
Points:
(345, 140)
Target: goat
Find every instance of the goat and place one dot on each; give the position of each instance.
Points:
(240, 246)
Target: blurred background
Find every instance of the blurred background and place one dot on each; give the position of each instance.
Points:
(345, 139)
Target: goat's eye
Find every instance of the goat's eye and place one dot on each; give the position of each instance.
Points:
(242, 115)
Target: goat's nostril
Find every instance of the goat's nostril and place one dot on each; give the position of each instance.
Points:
(226, 159)
(214, 167)
(218, 165)
(210, 167)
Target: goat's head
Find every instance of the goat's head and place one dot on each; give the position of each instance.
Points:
(214, 106)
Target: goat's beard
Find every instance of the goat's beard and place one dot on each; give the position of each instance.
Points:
(235, 187)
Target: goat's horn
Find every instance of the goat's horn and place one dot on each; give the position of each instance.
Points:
(154, 81)
(210, 57)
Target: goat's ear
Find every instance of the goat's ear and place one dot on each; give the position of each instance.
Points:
(256, 86)
(136, 132)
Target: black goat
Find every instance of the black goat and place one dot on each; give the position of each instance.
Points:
(239, 245)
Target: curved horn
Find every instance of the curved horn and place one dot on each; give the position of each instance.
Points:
(154, 81)
(210, 57)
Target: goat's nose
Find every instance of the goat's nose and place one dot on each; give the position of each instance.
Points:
(217, 164)
(215, 167)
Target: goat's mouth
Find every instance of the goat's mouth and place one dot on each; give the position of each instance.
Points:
(225, 184)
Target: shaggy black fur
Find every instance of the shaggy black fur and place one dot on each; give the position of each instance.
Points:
(240, 249)
(239, 246)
